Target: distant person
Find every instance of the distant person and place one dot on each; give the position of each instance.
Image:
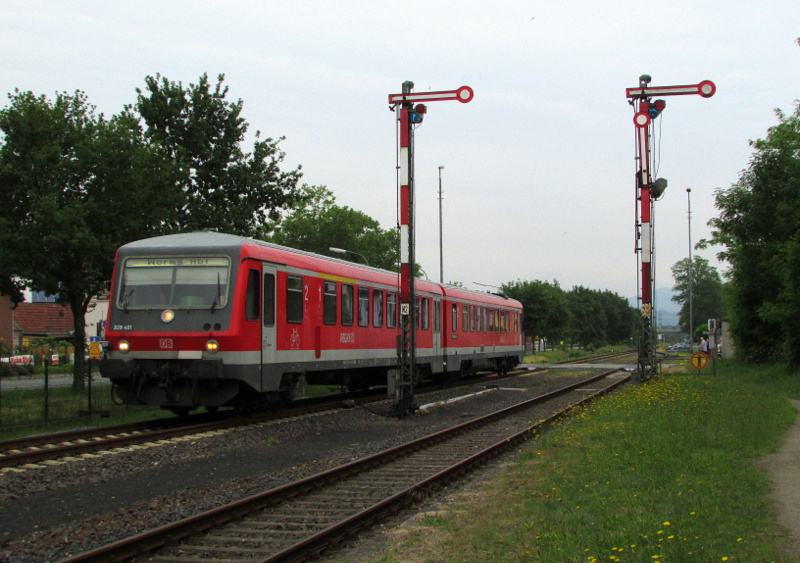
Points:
(704, 345)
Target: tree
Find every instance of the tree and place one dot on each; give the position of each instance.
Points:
(707, 292)
(622, 319)
(320, 224)
(74, 187)
(589, 318)
(759, 226)
(224, 188)
(546, 312)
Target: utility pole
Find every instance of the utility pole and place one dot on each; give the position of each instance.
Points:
(690, 270)
(648, 191)
(410, 115)
(441, 243)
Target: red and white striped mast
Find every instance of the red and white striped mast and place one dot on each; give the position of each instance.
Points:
(410, 115)
(647, 191)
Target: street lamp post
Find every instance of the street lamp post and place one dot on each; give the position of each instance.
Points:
(343, 251)
(441, 246)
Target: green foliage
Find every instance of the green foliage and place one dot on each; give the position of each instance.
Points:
(706, 290)
(759, 226)
(74, 187)
(320, 224)
(223, 187)
(590, 317)
(547, 314)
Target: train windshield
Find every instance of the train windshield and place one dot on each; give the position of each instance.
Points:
(183, 283)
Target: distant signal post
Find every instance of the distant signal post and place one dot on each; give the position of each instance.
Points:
(411, 112)
(647, 191)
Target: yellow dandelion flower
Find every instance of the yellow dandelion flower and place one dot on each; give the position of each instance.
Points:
(666, 523)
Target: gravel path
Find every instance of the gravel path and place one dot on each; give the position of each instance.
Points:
(75, 506)
(782, 470)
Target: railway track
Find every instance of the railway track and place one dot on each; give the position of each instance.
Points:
(50, 447)
(298, 521)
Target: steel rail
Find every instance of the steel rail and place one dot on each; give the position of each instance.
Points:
(172, 533)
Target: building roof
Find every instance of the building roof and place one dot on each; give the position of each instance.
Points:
(44, 319)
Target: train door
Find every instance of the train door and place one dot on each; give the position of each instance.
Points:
(269, 337)
(438, 359)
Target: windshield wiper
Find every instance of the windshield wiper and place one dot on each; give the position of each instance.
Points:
(218, 299)
(125, 297)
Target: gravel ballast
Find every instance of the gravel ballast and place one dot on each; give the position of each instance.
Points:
(52, 512)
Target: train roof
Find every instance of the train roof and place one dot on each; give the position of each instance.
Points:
(223, 242)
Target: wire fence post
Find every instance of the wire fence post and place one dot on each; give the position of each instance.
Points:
(46, 389)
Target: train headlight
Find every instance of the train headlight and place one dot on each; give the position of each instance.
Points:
(212, 346)
(123, 346)
(167, 315)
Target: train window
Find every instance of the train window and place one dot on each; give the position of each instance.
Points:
(465, 318)
(251, 305)
(485, 319)
(391, 310)
(329, 303)
(416, 316)
(472, 318)
(269, 299)
(377, 308)
(189, 282)
(426, 313)
(491, 320)
(294, 299)
(363, 306)
(347, 305)
(478, 321)
(454, 321)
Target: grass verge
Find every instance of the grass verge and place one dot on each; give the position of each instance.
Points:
(664, 471)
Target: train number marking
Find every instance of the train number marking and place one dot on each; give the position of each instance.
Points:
(122, 327)
(347, 338)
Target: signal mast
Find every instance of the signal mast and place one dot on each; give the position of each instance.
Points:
(647, 192)
(410, 115)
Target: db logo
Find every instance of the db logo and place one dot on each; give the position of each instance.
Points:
(166, 343)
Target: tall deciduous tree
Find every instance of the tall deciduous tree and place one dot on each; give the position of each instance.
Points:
(759, 226)
(224, 187)
(546, 311)
(74, 187)
(706, 291)
(320, 224)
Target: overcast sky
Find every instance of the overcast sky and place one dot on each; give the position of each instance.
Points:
(539, 167)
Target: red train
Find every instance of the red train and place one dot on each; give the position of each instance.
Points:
(209, 319)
